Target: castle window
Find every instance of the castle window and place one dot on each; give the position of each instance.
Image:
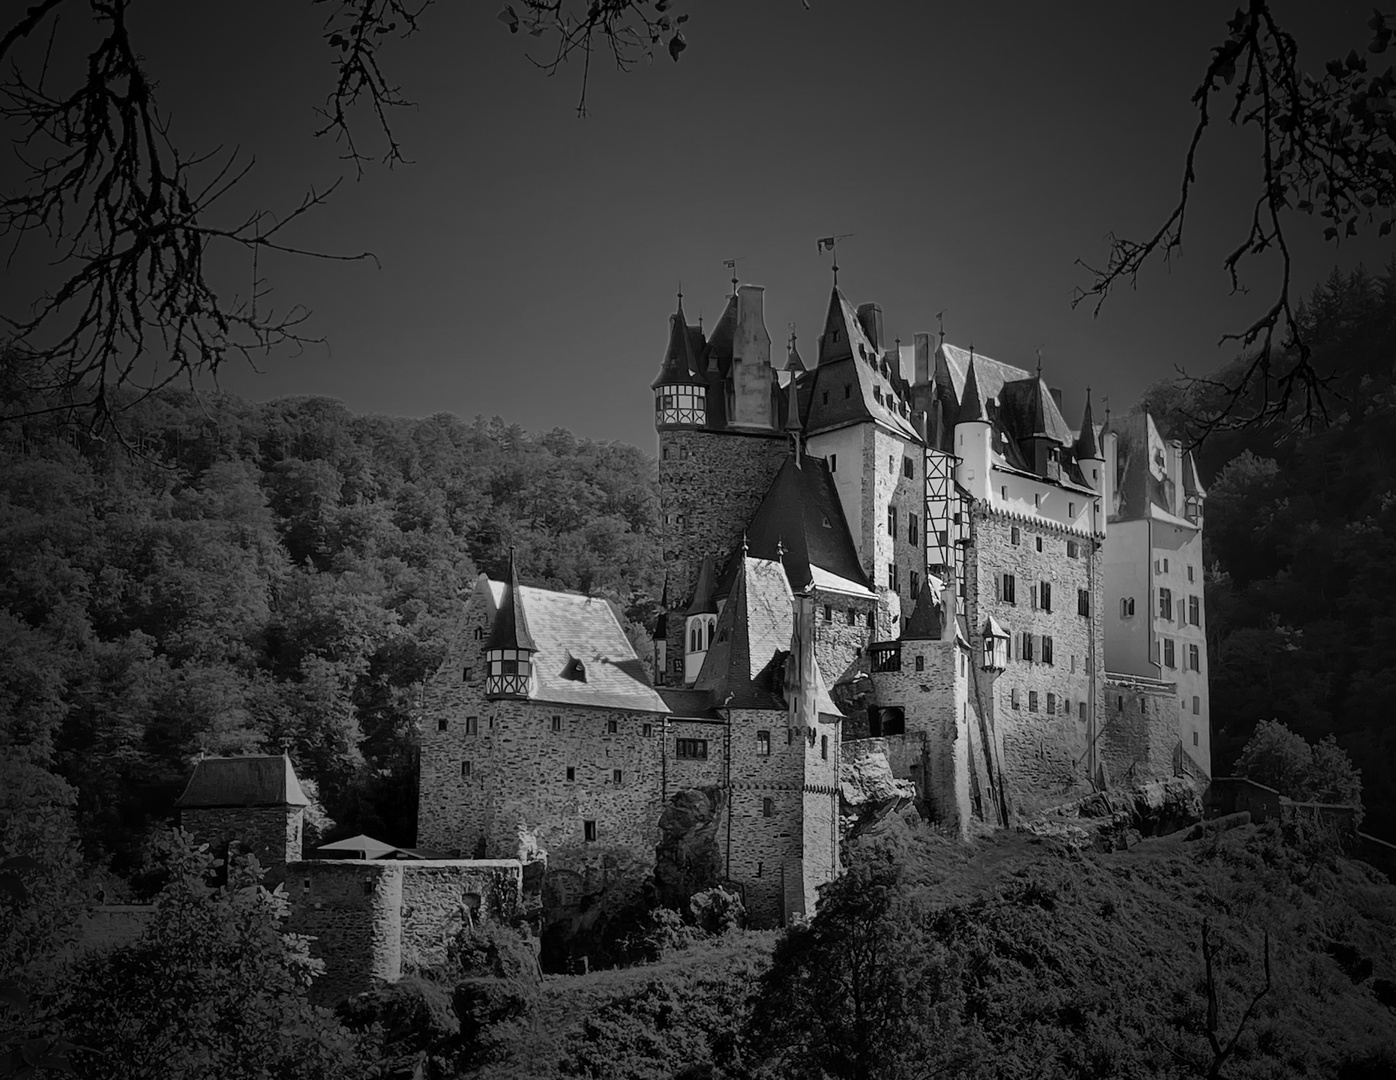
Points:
(768, 807)
(465, 675)
(1194, 658)
(691, 749)
(1027, 646)
(676, 665)
(1083, 602)
(305, 885)
(589, 831)
(1073, 550)
(911, 531)
(1045, 596)
(1032, 701)
(1165, 604)
(1008, 588)
(557, 723)
(479, 633)
(824, 747)
(441, 724)
(683, 453)
(852, 616)
(1120, 703)
(1003, 494)
(472, 725)
(1014, 536)
(366, 887)
(1195, 610)
(763, 743)
(616, 775)
(847, 392)
(1168, 660)
(1046, 649)
(892, 577)
(1189, 573)
(612, 727)
(833, 458)
(1013, 698)
(915, 584)
(828, 613)
(1194, 738)
(1196, 706)
(891, 464)
(920, 663)
(877, 394)
(826, 523)
(1081, 709)
(870, 620)
(892, 522)
(1144, 706)
(1039, 543)
(826, 397)
(465, 770)
(907, 470)
(1126, 607)
(646, 730)
(664, 455)
(1037, 504)
(1051, 703)
(571, 773)
(1071, 509)
(759, 867)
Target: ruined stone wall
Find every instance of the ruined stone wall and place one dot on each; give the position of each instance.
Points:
(1044, 755)
(353, 911)
(272, 832)
(440, 898)
(710, 484)
(1139, 729)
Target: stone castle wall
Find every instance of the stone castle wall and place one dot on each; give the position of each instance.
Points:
(1139, 728)
(838, 643)
(1045, 755)
(273, 833)
(372, 921)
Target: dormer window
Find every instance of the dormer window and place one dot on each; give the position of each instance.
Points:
(575, 670)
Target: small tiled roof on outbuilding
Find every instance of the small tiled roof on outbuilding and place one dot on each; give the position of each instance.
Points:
(253, 780)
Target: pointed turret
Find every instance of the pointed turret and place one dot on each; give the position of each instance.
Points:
(927, 622)
(974, 438)
(703, 602)
(680, 394)
(793, 361)
(971, 402)
(509, 652)
(1086, 446)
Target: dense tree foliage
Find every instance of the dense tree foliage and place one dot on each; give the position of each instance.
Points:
(1300, 539)
(260, 577)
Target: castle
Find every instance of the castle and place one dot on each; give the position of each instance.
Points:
(899, 551)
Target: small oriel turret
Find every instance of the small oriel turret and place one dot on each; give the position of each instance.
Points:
(680, 392)
(509, 652)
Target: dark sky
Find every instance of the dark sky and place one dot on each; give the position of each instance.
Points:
(529, 259)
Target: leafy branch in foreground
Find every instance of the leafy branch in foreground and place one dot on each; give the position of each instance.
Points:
(1327, 148)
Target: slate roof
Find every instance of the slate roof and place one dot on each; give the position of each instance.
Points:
(1142, 487)
(1086, 444)
(252, 780)
(953, 364)
(754, 626)
(680, 358)
(703, 601)
(801, 510)
(510, 628)
(566, 628)
(927, 621)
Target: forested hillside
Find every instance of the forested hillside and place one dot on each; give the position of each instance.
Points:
(242, 577)
(1300, 544)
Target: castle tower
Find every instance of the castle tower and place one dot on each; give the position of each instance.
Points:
(680, 395)
(253, 801)
(509, 653)
(974, 440)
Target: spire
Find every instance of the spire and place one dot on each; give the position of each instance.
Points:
(927, 619)
(703, 602)
(679, 361)
(793, 361)
(793, 427)
(971, 404)
(510, 630)
(1085, 442)
(1039, 411)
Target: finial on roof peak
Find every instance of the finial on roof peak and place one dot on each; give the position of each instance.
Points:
(780, 548)
(745, 546)
(940, 323)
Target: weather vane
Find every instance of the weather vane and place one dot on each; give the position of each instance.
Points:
(940, 323)
(829, 243)
(731, 264)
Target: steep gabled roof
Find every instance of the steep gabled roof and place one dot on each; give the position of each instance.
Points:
(801, 512)
(253, 780)
(703, 601)
(510, 629)
(952, 366)
(843, 335)
(1027, 410)
(574, 636)
(744, 664)
(972, 403)
(719, 345)
(681, 358)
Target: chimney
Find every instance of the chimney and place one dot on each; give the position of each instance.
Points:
(870, 319)
(921, 348)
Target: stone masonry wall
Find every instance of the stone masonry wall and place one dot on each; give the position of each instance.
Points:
(353, 911)
(437, 895)
(710, 484)
(837, 642)
(1139, 729)
(272, 832)
(1044, 755)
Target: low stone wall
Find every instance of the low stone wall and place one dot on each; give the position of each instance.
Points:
(1376, 853)
(1231, 794)
(370, 920)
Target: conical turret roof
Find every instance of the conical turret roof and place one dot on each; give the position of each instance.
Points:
(510, 629)
(1086, 442)
(703, 601)
(680, 362)
(927, 621)
(971, 404)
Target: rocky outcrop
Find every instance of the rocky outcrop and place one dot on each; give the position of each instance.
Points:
(688, 858)
(868, 791)
(1118, 818)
